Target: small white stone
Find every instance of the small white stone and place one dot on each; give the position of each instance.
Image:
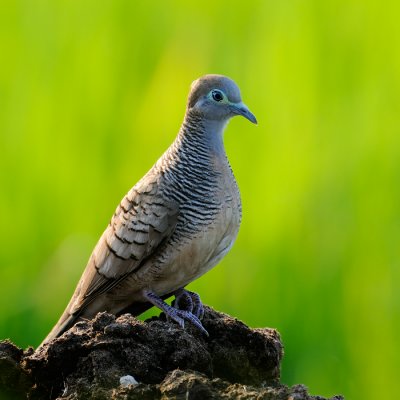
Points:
(127, 380)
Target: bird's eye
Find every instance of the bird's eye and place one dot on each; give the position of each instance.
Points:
(217, 95)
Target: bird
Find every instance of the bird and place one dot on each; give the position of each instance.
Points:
(174, 225)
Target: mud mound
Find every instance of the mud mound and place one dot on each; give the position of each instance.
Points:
(123, 358)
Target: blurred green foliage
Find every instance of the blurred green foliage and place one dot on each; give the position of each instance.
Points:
(92, 93)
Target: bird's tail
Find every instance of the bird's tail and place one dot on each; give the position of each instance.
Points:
(64, 323)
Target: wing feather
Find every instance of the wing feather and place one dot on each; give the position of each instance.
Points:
(142, 221)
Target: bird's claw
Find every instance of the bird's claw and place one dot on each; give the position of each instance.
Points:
(189, 301)
(177, 314)
(180, 316)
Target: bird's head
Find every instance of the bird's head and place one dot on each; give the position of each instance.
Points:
(216, 97)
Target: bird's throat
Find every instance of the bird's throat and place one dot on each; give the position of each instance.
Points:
(205, 133)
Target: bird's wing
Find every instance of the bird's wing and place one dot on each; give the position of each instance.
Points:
(142, 222)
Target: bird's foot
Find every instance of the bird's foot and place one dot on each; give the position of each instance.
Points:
(188, 301)
(177, 315)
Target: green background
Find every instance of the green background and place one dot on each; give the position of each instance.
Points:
(92, 93)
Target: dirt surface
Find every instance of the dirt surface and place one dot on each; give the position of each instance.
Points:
(124, 358)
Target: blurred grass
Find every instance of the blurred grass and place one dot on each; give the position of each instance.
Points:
(91, 93)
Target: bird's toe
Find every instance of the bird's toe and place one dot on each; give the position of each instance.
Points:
(188, 316)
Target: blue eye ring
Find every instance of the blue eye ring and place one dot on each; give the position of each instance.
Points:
(217, 95)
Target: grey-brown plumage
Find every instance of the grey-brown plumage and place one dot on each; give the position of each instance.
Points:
(174, 225)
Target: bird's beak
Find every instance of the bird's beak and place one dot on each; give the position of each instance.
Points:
(241, 109)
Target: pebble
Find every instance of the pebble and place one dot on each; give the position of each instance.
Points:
(127, 380)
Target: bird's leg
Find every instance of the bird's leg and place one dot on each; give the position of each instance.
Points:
(191, 300)
(175, 314)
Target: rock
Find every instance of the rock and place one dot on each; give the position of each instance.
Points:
(14, 381)
(94, 358)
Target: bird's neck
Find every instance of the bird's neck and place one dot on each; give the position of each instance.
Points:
(203, 134)
(199, 144)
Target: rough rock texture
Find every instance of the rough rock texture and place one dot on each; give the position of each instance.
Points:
(88, 362)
